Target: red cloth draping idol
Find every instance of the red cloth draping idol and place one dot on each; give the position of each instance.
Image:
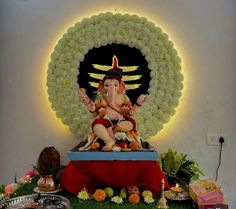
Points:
(95, 174)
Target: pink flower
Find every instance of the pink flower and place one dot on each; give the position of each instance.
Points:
(27, 178)
(11, 188)
(31, 173)
(23, 179)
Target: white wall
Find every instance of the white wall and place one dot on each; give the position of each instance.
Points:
(204, 33)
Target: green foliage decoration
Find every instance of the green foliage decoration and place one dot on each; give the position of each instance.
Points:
(76, 203)
(178, 168)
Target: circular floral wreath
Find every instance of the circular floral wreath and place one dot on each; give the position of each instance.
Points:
(107, 28)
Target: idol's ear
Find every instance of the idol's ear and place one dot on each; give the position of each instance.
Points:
(101, 87)
(122, 87)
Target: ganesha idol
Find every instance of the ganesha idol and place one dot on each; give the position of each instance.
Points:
(113, 113)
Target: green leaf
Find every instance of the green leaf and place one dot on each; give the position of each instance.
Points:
(176, 165)
(2, 188)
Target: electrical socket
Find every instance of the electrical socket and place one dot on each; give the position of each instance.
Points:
(213, 139)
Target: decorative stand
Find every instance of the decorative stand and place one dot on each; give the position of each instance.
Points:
(93, 169)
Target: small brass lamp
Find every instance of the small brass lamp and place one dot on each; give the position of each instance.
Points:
(162, 202)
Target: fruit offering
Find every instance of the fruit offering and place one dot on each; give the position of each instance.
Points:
(99, 195)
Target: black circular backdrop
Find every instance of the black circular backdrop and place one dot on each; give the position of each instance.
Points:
(127, 56)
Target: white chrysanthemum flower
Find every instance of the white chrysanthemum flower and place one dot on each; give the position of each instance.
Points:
(116, 148)
(120, 136)
(148, 199)
(117, 199)
(83, 195)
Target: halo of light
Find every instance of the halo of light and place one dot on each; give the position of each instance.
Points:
(106, 28)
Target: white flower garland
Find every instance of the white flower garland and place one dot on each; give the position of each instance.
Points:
(107, 28)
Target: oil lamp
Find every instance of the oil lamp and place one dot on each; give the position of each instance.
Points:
(162, 202)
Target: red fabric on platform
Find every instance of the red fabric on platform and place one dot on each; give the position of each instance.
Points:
(94, 174)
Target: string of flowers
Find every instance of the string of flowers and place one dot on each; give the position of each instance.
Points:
(6, 191)
(108, 28)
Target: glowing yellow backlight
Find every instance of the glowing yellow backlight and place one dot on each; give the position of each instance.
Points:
(64, 128)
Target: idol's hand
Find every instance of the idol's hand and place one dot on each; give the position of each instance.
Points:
(125, 110)
(85, 99)
(141, 99)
